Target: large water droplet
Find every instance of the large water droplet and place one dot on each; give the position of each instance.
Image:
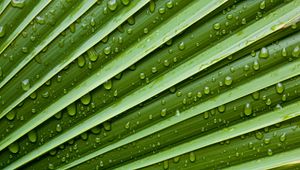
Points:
(152, 6)
(26, 84)
(112, 5)
(279, 88)
(2, 31)
(32, 136)
(264, 53)
(18, 3)
(71, 109)
(192, 157)
(11, 115)
(296, 51)
(13, 148)
(86, 99)
(228, 80)
(248, 109)
(107, 85)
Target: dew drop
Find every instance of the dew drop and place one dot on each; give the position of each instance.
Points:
(228, 80)
(181, 46)
(169, 4)
(282, 138)
(11, 115)
(107, 50)
(142, 76)
(163, 112)
(71, 109)
(13, 148)
(58, 128)
(18, 3)
(264, 53)
(86, 99)
(206, 90)
(107, 85)
(217, 26)
(247, 109)
(81, 61)
(256, 65)
(192, 157)
(26, 84)
(32, 136)
(296, 51)
(262, 5)
(107, 126)
(221, 108)
(2, 31)
(166, 164)
(125, 2)
(283, 52)
(112, 5)
(279, 88)
(152, 6)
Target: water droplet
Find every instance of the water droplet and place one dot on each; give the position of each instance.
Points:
(50, 166)
(192, 157)
(86, 99)
(142, 76)
(40, 20)
(112, 5)
(296, 51)
(26, 84)
(107, 50)
(264, 53)
(247, 109)
(96, 130)
(169, 4)
(228, 80)
(71, 109)
(282, 137)
(81, 61)
(58, 128)
(279, 88)
(259, 135)
(270, 152)
(262, 5)
(107, 126)
(107, 85)
(163, 112)
(166, 164)
(2, 31)
(217, 26)
(176, 159)
(127, 125)
(256, 95)
(18, 3)
(32, 136)
(256, 65)
(206, 90)
(153, 69)
(283, 52)
(92, 54)
(221, 108)
(13, 148)
(162, 10)
(125, 2)
(152, 6)
(11, 115)
(181, 46)
(268, 102)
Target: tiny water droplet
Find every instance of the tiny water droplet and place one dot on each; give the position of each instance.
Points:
(107, 126)
(58, 128)
(206, 90)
